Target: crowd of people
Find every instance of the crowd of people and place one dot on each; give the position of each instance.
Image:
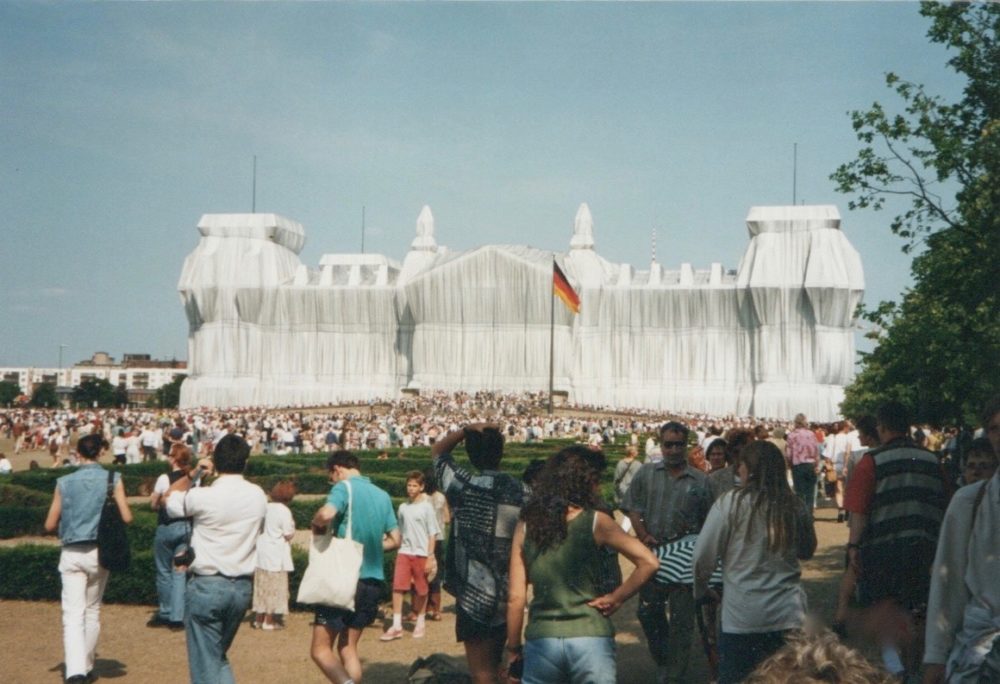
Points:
(715, 517)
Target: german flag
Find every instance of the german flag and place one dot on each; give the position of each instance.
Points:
(562, 289)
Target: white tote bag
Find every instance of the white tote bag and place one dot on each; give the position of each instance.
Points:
(331, 578)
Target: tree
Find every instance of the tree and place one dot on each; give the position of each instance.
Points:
(45, 395)
(939, 346)
(121, 396)
(9, 391)
(169, 395)
(94, 391)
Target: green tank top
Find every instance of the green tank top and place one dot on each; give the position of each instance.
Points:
(564, 579)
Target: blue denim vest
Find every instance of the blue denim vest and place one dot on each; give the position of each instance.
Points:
(82, 493)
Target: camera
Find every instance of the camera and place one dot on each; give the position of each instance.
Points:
(184, 557)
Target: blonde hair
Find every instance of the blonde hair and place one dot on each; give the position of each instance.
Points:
(819, 659)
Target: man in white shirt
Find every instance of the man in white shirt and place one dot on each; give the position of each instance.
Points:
(227, 519)
(152, 441)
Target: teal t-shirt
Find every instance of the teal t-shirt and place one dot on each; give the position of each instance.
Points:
(371, 519)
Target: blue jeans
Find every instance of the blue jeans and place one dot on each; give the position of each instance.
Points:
(215, 607)
(804, 483)
(578, 660)
(740, 654)
(170, 584)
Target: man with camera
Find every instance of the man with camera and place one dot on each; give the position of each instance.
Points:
(226, 520)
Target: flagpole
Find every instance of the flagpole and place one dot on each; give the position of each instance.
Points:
(552, 334)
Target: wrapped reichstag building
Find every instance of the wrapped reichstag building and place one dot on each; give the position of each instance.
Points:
(770, 339)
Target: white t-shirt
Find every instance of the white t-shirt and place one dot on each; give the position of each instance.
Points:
(417, 523)
(228, 517)
(5, 466)
(274, 552)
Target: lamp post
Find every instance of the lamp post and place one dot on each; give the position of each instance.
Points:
(59, 377)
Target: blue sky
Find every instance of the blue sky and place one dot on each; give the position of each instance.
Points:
(122, 123)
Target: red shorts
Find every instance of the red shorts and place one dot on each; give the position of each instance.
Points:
(410, 569)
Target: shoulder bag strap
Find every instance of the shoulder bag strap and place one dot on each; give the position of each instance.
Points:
(628, 469)
(111, 485)
(350, 509)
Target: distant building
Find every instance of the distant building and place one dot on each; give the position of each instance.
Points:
(140, 374)
(770, 339)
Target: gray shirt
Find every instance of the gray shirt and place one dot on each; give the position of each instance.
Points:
(761, 588)
(624, 473)
(722, 481)
(670, 507)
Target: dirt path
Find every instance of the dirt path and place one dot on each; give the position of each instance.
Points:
(131, 652)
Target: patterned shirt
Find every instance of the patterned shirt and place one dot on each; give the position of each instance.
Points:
(802, 447)
(485, 509)
(670, 507)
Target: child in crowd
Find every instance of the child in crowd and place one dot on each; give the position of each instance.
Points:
(274, 560)
(419, 528)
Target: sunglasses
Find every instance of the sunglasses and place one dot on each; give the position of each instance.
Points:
(673, 445)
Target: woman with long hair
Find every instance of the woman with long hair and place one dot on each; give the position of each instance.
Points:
(760, 531)
(558, 548)
(172, 535)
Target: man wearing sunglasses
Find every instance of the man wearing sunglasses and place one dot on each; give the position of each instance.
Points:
(667, 500)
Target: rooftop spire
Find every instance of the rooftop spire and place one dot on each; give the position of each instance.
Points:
(583, 229)
(425, 231)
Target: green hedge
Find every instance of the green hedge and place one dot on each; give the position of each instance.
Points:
(19, 495)
(139, 479)
(30, 573)
(19, 521)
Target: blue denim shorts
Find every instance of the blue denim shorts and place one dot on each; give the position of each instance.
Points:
(578, 660)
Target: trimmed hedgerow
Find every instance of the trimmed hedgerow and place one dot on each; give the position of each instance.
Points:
(138, 482)
(31, 573)
(20, 521)
(18, 495)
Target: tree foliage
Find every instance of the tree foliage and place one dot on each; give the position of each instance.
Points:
(44, 396)
(939, 345)
(95, 391)
(9, 391)
(169, 396)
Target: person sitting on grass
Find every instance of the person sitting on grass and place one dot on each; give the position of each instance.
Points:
(419, 528)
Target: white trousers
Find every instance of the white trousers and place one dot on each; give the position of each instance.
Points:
(83, 582)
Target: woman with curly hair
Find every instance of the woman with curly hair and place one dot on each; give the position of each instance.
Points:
(760, 531)
(818, 659)
(557, 548)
